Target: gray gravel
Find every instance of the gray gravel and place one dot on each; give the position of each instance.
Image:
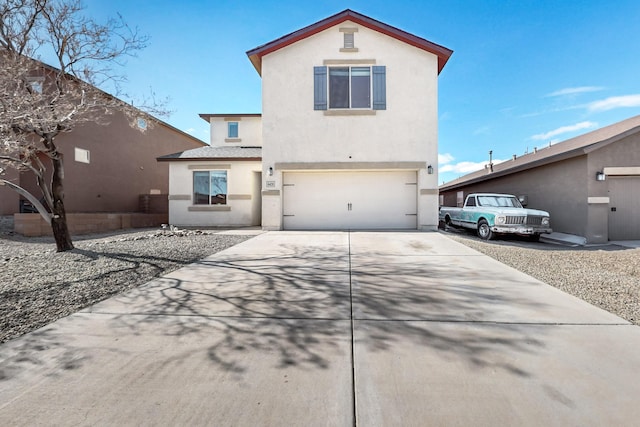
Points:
(606, 276)
(39, 285)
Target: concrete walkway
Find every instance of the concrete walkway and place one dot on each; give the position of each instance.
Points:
(335, 329)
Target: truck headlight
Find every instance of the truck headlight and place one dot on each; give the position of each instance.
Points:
(500, 220)
(545, 220)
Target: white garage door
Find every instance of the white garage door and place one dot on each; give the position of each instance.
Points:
(349, 200)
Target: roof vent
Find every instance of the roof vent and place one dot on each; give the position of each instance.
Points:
(349, 44)
(490, 165)
(349, 41)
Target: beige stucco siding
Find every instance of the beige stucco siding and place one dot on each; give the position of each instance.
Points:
(406, 129)
(243, 195)
(249, 131)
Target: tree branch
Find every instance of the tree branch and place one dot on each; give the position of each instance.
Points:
(35, 202)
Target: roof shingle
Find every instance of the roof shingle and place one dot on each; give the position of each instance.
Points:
(216, 153)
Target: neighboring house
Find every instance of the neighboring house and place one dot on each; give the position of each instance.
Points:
(219, 185)
(108, 167)
(349, 133)
(589, 184)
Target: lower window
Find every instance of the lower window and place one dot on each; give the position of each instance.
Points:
(210, 188)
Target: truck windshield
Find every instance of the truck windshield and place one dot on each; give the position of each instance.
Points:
(499, 201)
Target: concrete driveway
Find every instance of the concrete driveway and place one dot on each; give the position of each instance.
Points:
(335, 329)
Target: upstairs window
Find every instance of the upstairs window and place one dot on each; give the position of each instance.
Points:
(350, 88)
(232, 130)
(210, 187)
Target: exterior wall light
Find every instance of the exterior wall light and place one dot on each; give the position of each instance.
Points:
(600, 176)
(270, 171)
(430, 170)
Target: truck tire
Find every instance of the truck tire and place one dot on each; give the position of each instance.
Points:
(484, 231)
(444, 223)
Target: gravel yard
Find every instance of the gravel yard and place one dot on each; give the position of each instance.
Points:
(38, 285)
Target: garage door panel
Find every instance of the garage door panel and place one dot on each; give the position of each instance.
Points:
(350, 200)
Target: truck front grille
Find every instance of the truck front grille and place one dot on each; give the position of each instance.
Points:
(515, 220)
(524, 220)
(534, 220)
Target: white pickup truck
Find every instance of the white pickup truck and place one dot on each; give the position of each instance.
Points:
(490, 214)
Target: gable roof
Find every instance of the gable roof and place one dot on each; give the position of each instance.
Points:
(215, 153)
(578, 146)
(255, 55)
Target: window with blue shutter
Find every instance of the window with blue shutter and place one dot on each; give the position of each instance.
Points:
(319, 88)
(379, 87)
(350, 88)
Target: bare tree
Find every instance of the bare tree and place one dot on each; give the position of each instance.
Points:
(38, 102)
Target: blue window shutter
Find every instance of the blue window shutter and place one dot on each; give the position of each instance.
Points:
(319, 88)
(379, 87)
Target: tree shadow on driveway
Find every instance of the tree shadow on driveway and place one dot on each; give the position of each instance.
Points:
(301, 307)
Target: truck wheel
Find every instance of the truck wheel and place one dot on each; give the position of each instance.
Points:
(484, 231)
(444, 223)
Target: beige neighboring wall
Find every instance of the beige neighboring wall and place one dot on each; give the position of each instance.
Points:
(122, 165)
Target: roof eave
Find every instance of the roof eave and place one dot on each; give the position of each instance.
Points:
(206, 116)
(514, 169)
(587, 145)
(208, 159)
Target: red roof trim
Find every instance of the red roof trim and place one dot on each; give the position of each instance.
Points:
(255, 55)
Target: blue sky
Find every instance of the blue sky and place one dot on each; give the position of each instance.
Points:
(523, 74)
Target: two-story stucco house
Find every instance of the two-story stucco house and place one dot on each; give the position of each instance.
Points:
(349, 132)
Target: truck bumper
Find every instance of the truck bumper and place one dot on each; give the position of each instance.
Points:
(524, 231)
